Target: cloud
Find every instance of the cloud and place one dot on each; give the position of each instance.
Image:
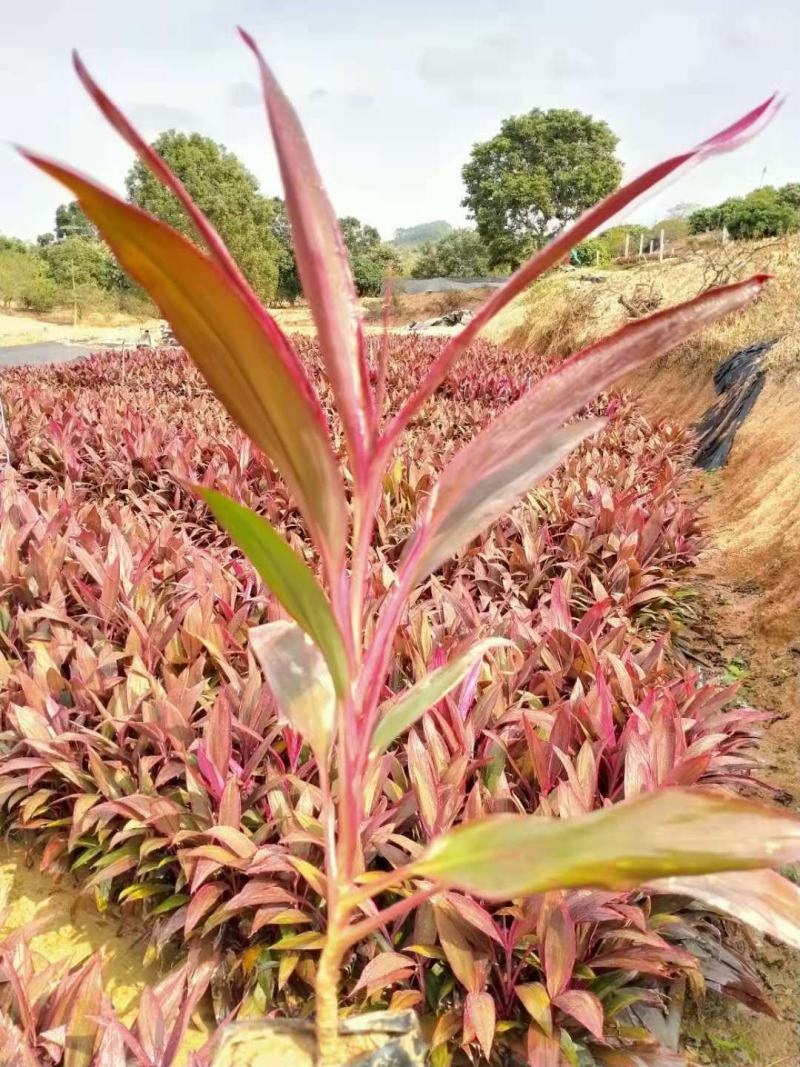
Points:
(743, 33)
(360, 100)
(163, 116)
(243, 94)
(486, 68)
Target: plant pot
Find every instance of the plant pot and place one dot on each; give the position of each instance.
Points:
(378, 1039)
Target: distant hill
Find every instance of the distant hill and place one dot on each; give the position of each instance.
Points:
(414, 236)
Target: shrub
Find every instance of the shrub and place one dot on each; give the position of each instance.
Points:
(591, 253)
(762, 213)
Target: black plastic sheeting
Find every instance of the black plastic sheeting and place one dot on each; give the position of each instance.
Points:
(738, 381)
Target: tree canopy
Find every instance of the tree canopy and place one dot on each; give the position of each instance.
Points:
(226, 191)
(71, 222)
(371, 259)
(764, 212)
(460, 254)
(537, 174)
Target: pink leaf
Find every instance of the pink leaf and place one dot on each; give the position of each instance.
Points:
(323, 267)
(479, 1019)
(543, 1051)
(211, 776)
(763, 899)
(584, 1007)
(486, 478)
(559, 947)
(386, 969)
(203, 900)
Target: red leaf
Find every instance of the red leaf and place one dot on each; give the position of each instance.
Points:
(386, 969)
(245, 359)
(323, 267)
(543, 1051)
(528, 439)
(203, 900)
(479, 1019)
(585, 1007)
(559, 947)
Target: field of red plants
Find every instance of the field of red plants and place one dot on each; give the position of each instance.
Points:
(142, 756)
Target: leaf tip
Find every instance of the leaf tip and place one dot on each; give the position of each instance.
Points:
(248, 39)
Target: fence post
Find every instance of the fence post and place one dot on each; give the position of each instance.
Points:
(661, 246)
(724, 233)
(627, 244)
(641, 244)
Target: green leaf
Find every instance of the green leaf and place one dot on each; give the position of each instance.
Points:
(171, 903)
(666, 833)
(286, 575)
(142, 891)
(300, 681)
(308, 940)
(411, 705)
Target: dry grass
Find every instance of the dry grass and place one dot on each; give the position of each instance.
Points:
(559, 315)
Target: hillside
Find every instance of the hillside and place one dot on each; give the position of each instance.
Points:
(414, 236)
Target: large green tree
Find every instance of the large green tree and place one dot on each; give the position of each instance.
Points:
(461, 254)
(72, 222)
(289, 287)
(536, 175)
(370, 258)
(226, 191)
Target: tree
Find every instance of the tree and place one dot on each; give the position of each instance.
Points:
(764, 212)
(24, 280)
(12, 244)
(79, 260)
(759, 214)
(704, 219)
(289, 287)
(540, 172)
(790, 194)
(371, 260)
(617, 238)
(225, 190)
(461, 254)
(71, 222)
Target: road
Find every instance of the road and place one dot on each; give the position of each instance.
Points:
(50, 352)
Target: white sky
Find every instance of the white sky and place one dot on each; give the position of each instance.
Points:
(393, 94)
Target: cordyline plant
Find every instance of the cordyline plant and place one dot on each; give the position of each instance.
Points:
(327, 668)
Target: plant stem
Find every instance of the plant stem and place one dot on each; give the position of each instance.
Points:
(327, 998)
